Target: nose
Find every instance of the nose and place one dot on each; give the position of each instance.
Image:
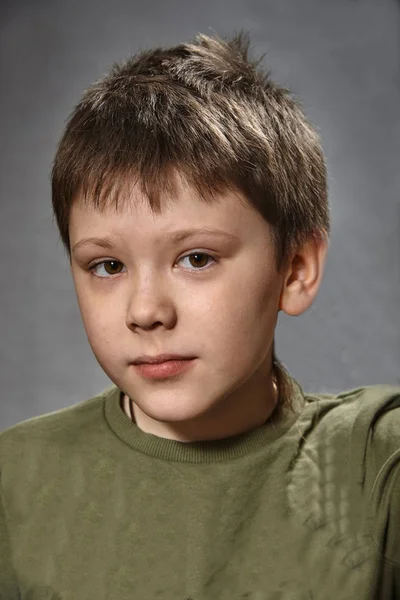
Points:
(149, 306)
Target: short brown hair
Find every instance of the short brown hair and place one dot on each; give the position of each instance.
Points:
(208, 111)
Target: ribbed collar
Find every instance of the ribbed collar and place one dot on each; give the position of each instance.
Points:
(205, 451)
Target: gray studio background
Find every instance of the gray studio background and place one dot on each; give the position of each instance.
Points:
(341, 57)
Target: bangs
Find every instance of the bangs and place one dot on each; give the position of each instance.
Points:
(147, 142)
(113, 187)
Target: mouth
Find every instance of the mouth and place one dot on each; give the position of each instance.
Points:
(161, 358)
(166, 369)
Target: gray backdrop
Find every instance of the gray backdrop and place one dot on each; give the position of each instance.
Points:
(341, 57)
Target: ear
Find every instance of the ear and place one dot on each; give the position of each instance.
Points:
(303, 277)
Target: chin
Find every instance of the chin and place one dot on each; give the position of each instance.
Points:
(171, 413)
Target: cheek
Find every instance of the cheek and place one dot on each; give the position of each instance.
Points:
(98, 321)
(240, 321)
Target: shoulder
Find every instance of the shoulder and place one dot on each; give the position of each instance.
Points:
(375, 445)
(375, 430)
(373, 410)
(63, 426)
(366, 418)
(360, 429)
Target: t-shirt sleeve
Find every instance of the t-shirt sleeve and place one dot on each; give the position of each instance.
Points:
(8, 582)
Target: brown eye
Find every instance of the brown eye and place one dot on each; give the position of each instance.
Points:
(198, 260)
(109, 266)
(113, 264)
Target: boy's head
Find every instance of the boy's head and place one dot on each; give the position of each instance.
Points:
(192, 137)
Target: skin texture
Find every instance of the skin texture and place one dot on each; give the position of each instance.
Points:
(158, 299)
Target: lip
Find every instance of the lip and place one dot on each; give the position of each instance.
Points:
(160, 358)
(168, 368)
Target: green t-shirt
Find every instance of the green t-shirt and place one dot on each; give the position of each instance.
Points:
(305, 507)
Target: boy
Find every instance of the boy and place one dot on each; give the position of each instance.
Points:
(210, 475)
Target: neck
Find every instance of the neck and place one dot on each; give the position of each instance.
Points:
(187, 432)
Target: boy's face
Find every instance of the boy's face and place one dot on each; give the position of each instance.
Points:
(156, 299)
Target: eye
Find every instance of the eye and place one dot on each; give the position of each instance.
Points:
(111, 265)
(201, 260)
(105, 263)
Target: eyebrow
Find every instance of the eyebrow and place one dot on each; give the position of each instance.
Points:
(174, 236)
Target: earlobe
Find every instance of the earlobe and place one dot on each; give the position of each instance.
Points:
(303, 278)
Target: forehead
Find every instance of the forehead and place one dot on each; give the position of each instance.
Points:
(182, 208)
